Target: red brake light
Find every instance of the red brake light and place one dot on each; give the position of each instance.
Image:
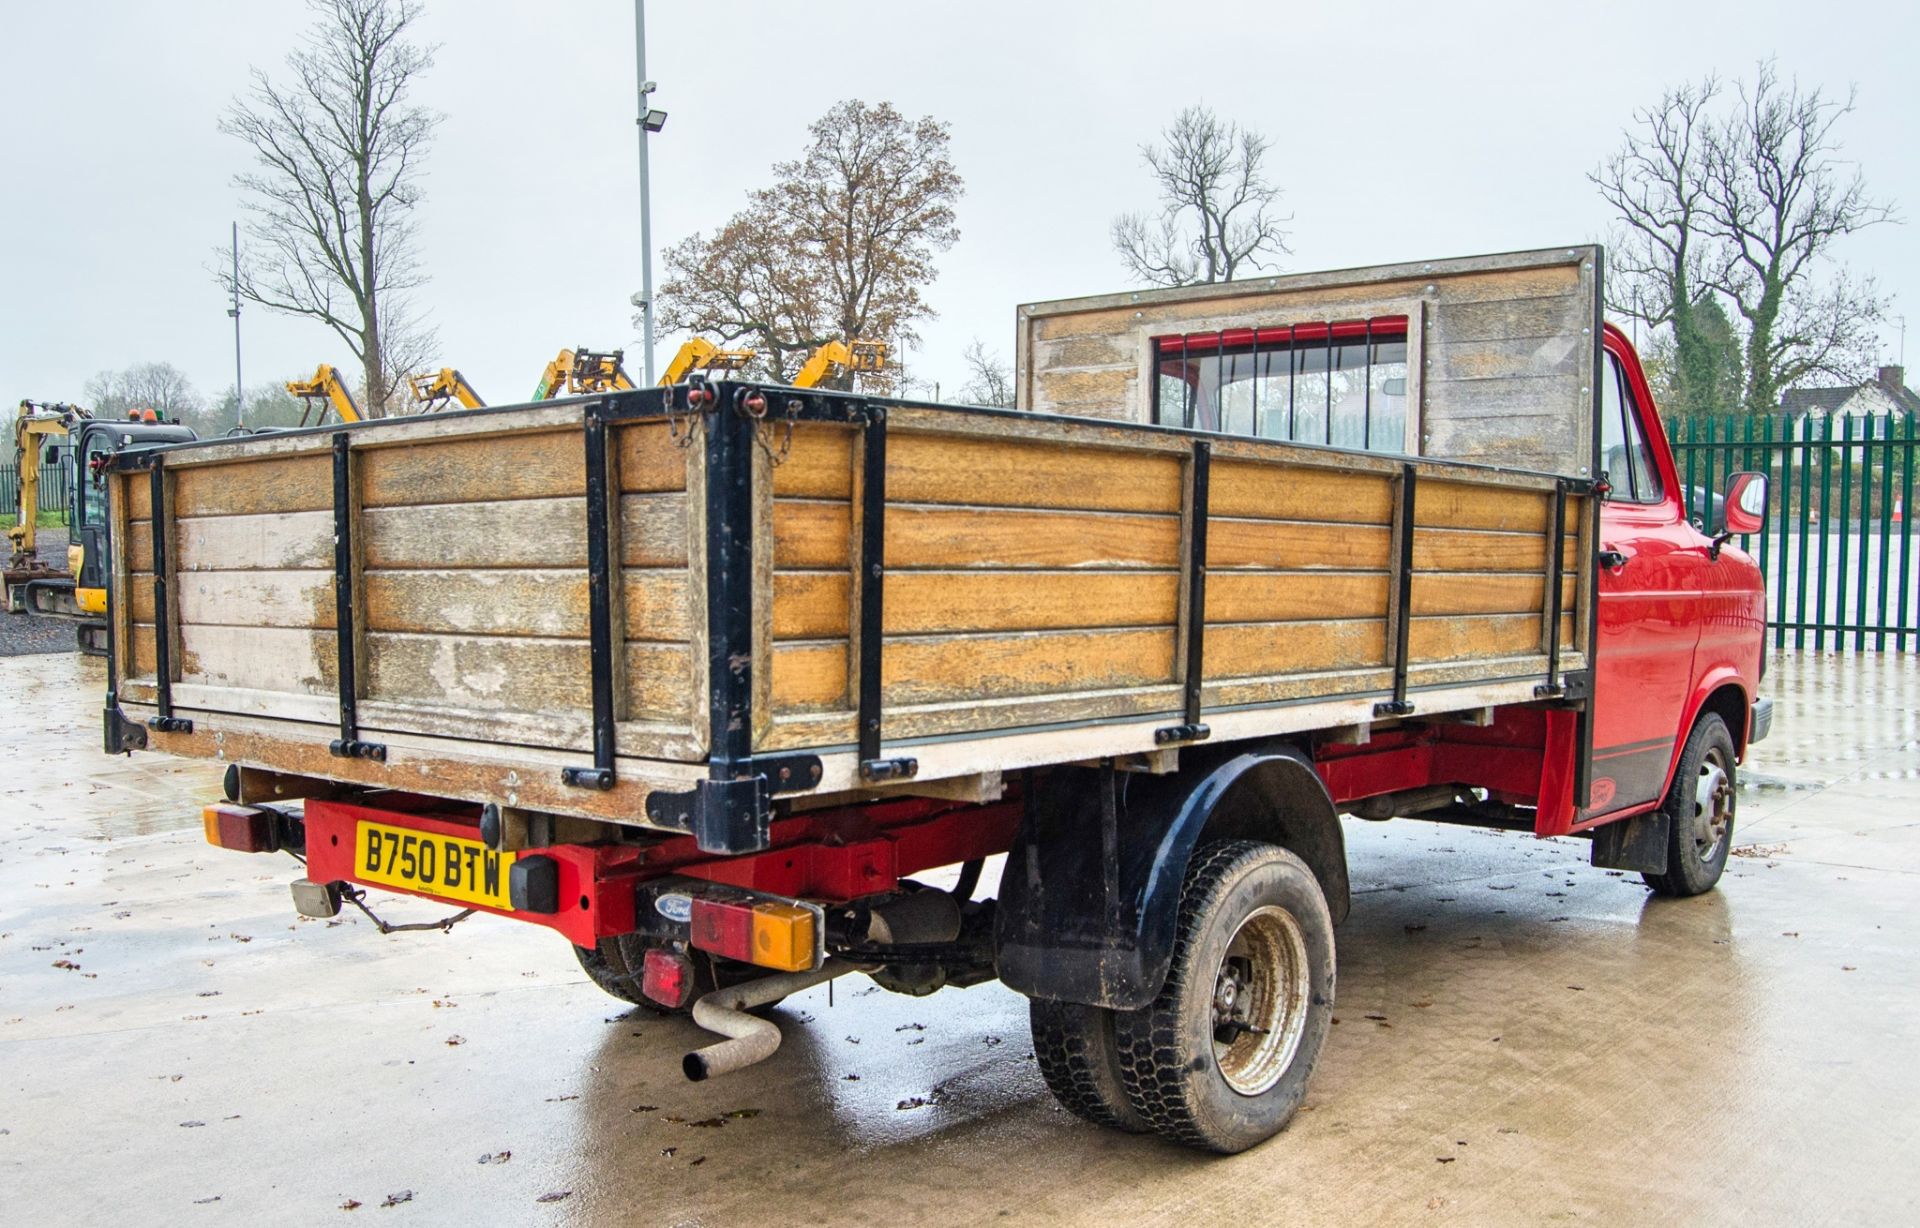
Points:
(667, 977)
(240, 828)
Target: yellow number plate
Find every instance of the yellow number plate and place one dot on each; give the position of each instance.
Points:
(445, 866)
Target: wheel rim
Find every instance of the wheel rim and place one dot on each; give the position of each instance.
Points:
(1712, 806)
(1260, 1001)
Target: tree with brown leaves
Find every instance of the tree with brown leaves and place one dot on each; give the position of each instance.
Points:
(838, 247)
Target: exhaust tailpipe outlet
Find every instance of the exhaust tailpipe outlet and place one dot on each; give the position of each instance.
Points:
(750, 1038)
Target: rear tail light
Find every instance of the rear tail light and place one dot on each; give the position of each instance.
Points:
(244, 829)
(770, 933)
(667, 978)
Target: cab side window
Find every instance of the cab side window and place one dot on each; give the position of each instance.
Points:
(1624, 455)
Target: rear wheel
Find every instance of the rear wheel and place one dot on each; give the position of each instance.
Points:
(1220, 1060)
(1700, 805)
(1079, 1057)
(616, 966)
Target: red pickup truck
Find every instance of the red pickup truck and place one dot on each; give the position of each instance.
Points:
(1399, 541)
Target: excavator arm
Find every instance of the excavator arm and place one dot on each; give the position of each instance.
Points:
(699, 354)
(834, 356)
(32, 427)
(326, 390)
(434, 391)
(582, 373)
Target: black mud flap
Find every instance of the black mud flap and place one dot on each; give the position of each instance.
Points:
(1638, 844)
(1090, 898)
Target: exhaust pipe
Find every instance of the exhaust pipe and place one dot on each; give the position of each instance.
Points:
(750, 1039)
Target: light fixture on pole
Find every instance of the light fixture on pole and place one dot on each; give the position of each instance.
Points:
(239, 389)
(649, 120)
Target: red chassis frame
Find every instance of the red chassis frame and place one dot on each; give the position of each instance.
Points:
(1525, 756)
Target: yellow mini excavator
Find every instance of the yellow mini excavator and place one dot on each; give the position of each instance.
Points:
(434, 391)
(583, 372)
(326, 390)
(79, 590)
(835, 356)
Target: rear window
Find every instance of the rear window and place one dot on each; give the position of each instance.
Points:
(1342, 383)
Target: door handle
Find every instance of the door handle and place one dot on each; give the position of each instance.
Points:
(1612, 560)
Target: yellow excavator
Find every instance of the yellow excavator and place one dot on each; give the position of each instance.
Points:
(434, 391)
(326, 390)
(836, 356)
(79, 590)
(583, 372)
(699, 354)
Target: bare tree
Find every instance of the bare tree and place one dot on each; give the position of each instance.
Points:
(337, 148)
(1739, 208)
(1216, 216)
(159, 386)
(1779, 196)
(989, 378)
(838, 247)
(1656, 184)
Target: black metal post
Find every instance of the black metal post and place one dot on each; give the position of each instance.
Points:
(164, 720)
(1403, 597)
(599, 608)
(872, 564)
(348, 744)
(1192, 730)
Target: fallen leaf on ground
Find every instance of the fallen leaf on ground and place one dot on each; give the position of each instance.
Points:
(394, 1200)
(351, 1204)
(456, 1039)
(554, 1196)
(496, 1157)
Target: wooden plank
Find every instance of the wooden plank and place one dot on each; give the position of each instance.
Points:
(299, 540)
(1292, 545)
(1477, 550)
(982, 601)
(922, 537)
(811, 677)
(519, 674)
(819, 460)
(139, 539)
(522, 533)
(1468, 638)
(253, 487)
(540, 465)
(1243, 650)
(937, 668)
(536, 602)
(249, 599)
(1285, 596)
(1460, 505)
(135, 492)
(967, 469)
(648, 458)
(145, 658)
(809, 605)
(1484, 593)
(811, 534)
(291, 659)
(1278, 491)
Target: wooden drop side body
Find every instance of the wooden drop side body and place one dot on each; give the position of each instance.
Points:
(1038, 595)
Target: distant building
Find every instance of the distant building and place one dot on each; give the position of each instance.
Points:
(1886, 396)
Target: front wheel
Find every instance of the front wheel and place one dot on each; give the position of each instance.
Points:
(1220, 1060)
(1700, 805)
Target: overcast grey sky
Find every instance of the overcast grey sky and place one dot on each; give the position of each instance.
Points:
(1401, 131)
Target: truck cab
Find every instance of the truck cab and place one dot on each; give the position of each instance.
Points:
(1681, 611)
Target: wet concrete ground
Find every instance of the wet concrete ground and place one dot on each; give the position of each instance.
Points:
(1523, 1039)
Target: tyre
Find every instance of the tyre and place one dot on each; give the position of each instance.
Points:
(1220, 1060)
(1700, 807)
(616, 966)
(1079, 1057)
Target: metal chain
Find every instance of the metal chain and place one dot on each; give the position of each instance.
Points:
(358, 899)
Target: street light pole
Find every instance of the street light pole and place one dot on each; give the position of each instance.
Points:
(239, 389)
(644, 300)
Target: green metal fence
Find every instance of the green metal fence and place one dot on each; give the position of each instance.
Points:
(1838, 546)
(55, 485)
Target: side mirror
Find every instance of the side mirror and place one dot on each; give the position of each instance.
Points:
(1743, 511)
(1746, 505)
